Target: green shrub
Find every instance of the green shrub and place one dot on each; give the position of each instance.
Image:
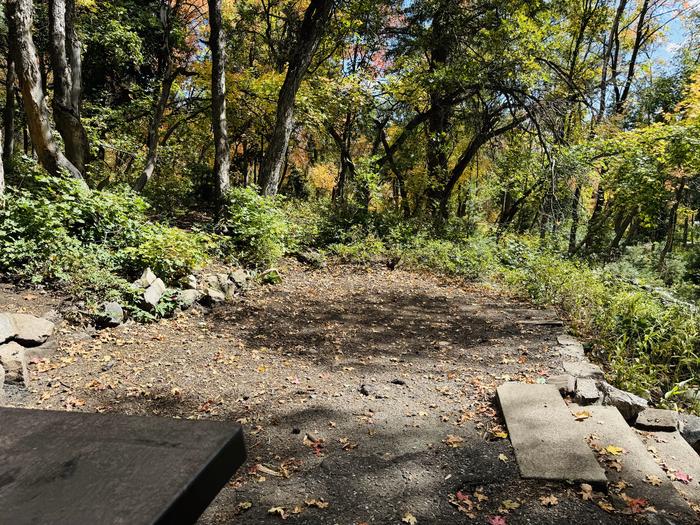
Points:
(255, 226)
(446, 257)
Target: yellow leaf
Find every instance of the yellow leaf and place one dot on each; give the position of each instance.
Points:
(319, 503)
(409, 518)
(583, 414)
(653, 480)
(279, 511)
(549, 501)
(501, 434)
(613, 450)
(503, 458)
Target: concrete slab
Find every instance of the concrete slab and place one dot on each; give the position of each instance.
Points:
(565, 383)
(657, 419)
(583, 369)
(671, 450)
(566, 339)
(547, 441)
(572, 353)
(605, 427)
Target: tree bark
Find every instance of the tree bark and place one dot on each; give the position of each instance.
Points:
(8, 121)
(66, 66)
(573, 233)
(309, 36)
(217, 44)
(671, 228)
(33, 97)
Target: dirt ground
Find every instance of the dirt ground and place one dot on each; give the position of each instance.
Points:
(366, 396)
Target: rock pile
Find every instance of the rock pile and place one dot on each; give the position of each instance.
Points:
(22, 337)
(584, 382)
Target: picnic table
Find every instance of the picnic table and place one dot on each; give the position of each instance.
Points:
(76, 468)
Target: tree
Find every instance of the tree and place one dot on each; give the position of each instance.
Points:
(67, 79)
(308, 37)
(34, 99)
(217, 44)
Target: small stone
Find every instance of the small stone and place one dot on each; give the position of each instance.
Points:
(147, 279)
(365, 390)
(111, 314)
(566, 383)
(211, 282)
(690, 430)
(586, 391)
(154, 292)
(191, 282)
(186, 298)
(32, 330)
(12, 359)
(240, 277)
(583, 369)
(657, 419)
(628, 404)
(7, 328)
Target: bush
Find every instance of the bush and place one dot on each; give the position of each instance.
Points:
(255, 226)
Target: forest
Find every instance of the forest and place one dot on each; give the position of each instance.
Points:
(550, 148)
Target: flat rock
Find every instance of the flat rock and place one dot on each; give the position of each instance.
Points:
(154, 292)
(607, 427)
(628, 404)
(572, 353)
(31, 330)
(213, 296)
(565, 383)
(568, 340)
(583, 369)
(13, 360)
(657, 419)
(586, 391)
(547, 441)
(7, 328)
(670, 449)
(2, 381)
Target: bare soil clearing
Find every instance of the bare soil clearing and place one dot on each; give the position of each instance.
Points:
(369, 390)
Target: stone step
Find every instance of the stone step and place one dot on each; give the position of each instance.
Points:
(606, 427)
(548, 442)
(672, 452)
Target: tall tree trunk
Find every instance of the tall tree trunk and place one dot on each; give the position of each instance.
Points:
(574, 219)
(671, 228)
(66, 66)
(33, 97)
(2, 171)
(168, 73)
(8, 121)
(309, 36)
(217, 44)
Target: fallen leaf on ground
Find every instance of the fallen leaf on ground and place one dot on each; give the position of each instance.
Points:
(409, 518)
(683, 477)
(605, 505)
(507, 505)
(243, 506)
(453, 441)
(497, 520)
(653, 480)
(503, 458)
(613, 450)
(583, 414)
(319, 503)
(586, 492)
(549, 501)
(279, 511)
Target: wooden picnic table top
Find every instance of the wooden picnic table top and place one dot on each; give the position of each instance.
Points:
(77, 468)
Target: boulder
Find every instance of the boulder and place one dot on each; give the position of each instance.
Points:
(110, 315)
(13, 361)
(147, 279)
(313, 258)
(628, 404)
(583, 369)
(565, 383)
(690, 430)
(7, 328)
(211, 282)
(213, 296)
(186, 298)
(2, 381)
(32, 330)
(586, 391)
(657, 419)
(154, 292)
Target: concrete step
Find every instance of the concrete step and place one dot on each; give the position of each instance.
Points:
(635, 465)
(548, 442)
(672, 452)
